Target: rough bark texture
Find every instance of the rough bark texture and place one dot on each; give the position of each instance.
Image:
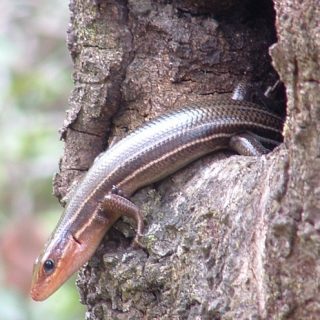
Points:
(236, 238)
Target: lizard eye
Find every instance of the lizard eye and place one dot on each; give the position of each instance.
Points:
(48, 266)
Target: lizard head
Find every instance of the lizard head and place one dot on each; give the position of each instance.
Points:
(61, 257)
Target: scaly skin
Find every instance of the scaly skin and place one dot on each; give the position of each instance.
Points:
(154, 151)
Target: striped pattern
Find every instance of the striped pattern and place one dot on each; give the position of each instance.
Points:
(161, 147)
(154, 151)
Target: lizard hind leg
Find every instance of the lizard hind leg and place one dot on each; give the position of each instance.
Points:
(116, 190)
(247, 145)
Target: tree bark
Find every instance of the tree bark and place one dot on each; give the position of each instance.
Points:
(236, 238)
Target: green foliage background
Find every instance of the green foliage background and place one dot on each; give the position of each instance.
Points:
(35, 82)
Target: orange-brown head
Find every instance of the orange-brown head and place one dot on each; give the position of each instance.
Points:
(61, 257)
(75, 239)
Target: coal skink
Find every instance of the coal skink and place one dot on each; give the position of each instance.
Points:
(152, 152)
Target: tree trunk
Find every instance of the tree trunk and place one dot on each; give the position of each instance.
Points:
(236, 238)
